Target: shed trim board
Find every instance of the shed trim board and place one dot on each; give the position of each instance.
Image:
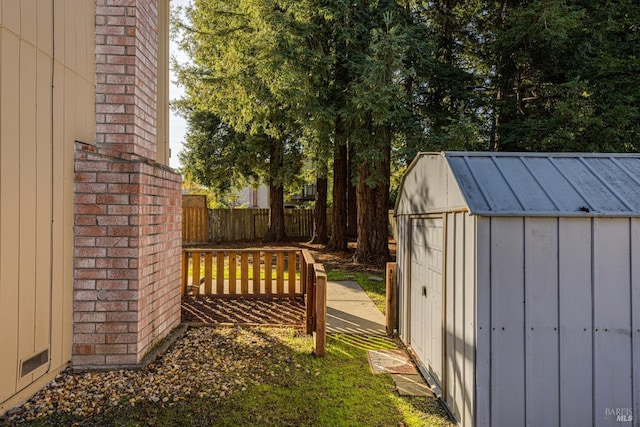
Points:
(540, 308)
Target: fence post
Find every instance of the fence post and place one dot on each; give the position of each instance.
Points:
(185, 272)
(309, 290)
(320, 333)
(391, 298)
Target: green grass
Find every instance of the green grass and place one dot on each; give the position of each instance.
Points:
(286, 386)
(375, 289)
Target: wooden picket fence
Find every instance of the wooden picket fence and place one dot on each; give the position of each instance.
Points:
(203, 225)
(245, 272)
(228, 225)
(258, 273)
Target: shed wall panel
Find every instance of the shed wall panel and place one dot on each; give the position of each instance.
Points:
(575, 318)
(612, 318)
(507, 322)
(450, 274)
(541, 321)
(483, 374)
(459, 316)
(450, 281)
(403, 276)
(428, 187)
(635, 315)
(470, 318)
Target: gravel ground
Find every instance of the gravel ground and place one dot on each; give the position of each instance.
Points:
(205, 362)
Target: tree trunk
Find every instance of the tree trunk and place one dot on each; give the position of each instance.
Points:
(338, 240)
(276, 231)
(373, 214)
(320, 214)
(352, 206)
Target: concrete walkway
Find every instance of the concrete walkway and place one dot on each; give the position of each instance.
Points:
(351, 311)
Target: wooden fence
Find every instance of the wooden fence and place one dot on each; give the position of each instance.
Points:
(227, 225)
(245, 272)
(316, 302)
(194, 218)
(257, 273)
(202, 225)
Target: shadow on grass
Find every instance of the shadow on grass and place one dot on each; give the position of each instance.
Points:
(284, 386)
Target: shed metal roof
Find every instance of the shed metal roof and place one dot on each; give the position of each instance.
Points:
(548, 184)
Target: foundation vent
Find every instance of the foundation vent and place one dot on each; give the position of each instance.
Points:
(34, 362)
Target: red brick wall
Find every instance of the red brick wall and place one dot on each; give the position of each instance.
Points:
(126, 75)
(127, 207)
(128, 232)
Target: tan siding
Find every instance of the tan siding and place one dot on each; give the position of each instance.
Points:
(9, 201)
(11, 15)
(44, 21)
(162, 153)
(33, 279)
(43, 198)
(27, 206)
(81, 39)
(28, 21)
(58, 320)
(59, 31)
(70, 33)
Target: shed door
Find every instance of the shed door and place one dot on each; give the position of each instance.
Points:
(426, 323)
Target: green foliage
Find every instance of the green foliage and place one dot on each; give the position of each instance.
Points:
(303, 78)
(239, 83)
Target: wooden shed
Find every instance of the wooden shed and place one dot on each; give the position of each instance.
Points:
(519, 285)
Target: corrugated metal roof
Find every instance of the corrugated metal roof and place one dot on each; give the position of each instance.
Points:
(545, 184)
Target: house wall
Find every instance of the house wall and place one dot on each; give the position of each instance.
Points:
(557, 338)
(47, 79)
(128, 206)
